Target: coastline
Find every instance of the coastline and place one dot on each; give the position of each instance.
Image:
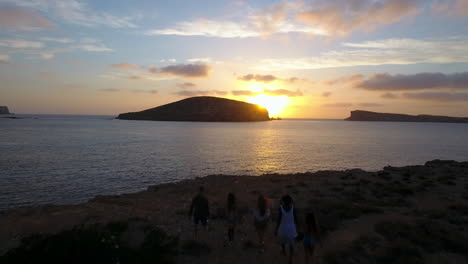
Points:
(352, 206)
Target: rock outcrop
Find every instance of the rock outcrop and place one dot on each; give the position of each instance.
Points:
(203, 108)
(360, 115)
(4, 110)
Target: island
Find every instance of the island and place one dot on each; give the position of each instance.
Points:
(360, 115)
(202, 108)
(4, 110)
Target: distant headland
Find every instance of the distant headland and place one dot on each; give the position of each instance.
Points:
(360, 115)
(4, 110)
(203, 108)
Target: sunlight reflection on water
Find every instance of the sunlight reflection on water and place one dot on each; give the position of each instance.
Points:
(69, 160)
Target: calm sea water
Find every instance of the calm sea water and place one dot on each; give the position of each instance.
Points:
(70, 159)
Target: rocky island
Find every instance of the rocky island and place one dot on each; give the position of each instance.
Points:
(360, 115)
(203, 108)
(4, 110)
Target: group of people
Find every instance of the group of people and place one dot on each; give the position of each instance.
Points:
(286, 222)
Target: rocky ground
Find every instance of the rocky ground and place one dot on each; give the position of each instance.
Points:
(413, 214)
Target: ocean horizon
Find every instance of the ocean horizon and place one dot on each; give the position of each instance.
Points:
(66, 159)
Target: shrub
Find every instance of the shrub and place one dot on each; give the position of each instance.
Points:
(94, 244)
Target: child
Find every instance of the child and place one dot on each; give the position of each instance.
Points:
(231, 216)
(286, 225)
(311, 236)
(261, 215)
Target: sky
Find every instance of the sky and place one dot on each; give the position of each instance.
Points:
(299, 59)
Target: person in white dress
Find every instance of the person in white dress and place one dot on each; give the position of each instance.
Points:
(286, 225)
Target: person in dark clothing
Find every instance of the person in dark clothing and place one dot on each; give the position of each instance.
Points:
(199, 209)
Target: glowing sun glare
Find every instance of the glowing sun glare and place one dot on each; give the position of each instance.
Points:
(274, 104)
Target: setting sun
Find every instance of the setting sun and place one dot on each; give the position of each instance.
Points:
(274, 104)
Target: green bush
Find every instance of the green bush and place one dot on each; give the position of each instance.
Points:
(95, 244)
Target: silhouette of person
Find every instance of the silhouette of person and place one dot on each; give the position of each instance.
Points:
(199, 210)
(286, 225)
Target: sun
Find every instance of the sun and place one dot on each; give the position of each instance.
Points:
(274, 104)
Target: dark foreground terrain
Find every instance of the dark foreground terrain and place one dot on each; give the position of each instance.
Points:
(413, 214)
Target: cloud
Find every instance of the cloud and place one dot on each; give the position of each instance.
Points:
(59, 40)
(345, 80)
(93, 47)
(186, 85)
(389, 96)
(19, 19)
(74, 12)
(20, 44)
(379, 52)
(203, 60)
(110, 90)
(451, 7)
(338, 105)
(370, 104)
(125, 66)
(280, 92)
(340, 18)
(277, 92)
(187, 70)
(326, 94)
(419, 81)
(278, 18)
(244, 93)
(267, 78)
(258, 78)
(200, 92)
(145, 91)
(437, 96)
(153, 69)
(4, 58)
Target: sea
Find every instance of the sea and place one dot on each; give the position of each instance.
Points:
(55, 159)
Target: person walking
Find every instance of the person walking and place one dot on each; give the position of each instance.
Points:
(261, 216)
(231, 216)
(199, 210)
(286, 225)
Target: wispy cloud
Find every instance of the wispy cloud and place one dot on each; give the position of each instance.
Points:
(258, 78)
(438, 96)
(326, 94)
(186, 85)
(267, 78)
(370, 104)
(93, 47)
(419, 81)
(379, 52)
(272, 92)
(201, 92)
(20, 44)
(74, 12)
(125, 66)
(451, 7)
(19, 19)
(280, 92)
(110, 90)
(323, 17)
(277, 18)
(389, 96)
(340, 18)
(187, 70)
(58, 40)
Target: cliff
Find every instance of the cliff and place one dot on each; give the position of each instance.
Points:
(203, 108)
(4, 110)
(360, 115)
